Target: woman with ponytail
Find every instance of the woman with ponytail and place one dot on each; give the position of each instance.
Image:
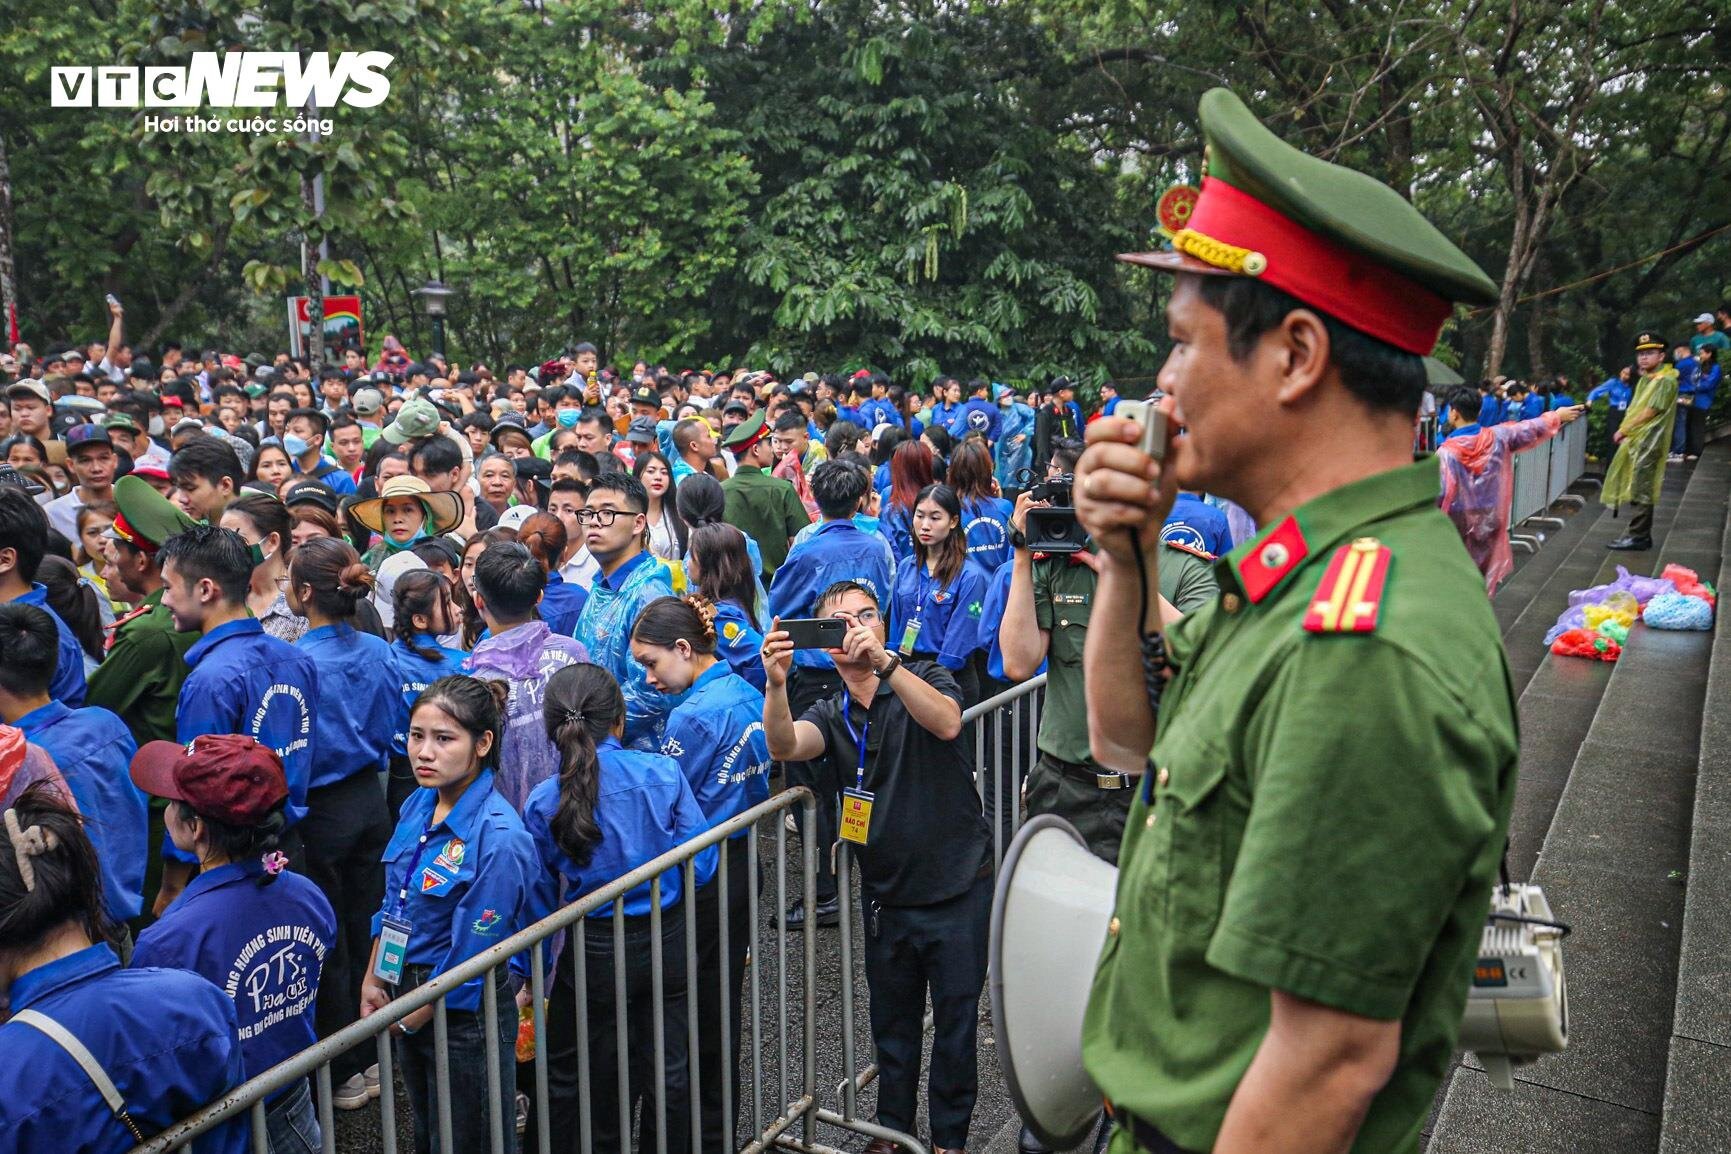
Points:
(164, 1038)
(225, 807)
(715, 733)
(347, 822)
(610, 810)
(544, 536)
(462, 875)
(719, 569)
(424, 609)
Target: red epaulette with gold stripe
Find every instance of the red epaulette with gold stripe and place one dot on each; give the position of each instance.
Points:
(1349, 600)
(1190, 549)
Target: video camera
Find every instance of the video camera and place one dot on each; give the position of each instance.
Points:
(1054, 529)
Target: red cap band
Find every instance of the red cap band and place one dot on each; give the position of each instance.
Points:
(1348, 286)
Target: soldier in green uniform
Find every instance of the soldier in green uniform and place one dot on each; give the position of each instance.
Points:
(762, 506)
(1637, 472)
(140, 675)
(1306, 871)
(1046, 619)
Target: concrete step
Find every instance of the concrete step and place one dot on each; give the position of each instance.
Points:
(1611, 863)
(1697, 1106)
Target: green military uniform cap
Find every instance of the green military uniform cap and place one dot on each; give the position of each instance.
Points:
(147, 518)
(746, 433)
(1338, 240)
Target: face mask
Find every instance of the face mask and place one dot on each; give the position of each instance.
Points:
(567, 418)
(294, 446)
(157, 428)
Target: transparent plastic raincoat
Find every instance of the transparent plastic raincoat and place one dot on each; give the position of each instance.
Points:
(1478, 487)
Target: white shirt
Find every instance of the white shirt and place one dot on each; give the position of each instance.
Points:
(63, 514)
(581, 569)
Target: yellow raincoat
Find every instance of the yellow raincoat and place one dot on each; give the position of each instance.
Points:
(1638, 469)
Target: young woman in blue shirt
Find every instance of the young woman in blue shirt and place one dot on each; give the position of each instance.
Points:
(424, 609)
(715, 733)
(718, 567)
(610, 810)
(461, 875)
(939, 600)
(165, 1039)
(347, 822)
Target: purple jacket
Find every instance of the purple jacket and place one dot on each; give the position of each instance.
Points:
(525, 658)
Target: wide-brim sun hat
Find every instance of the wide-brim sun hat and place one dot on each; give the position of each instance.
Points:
(444, 510)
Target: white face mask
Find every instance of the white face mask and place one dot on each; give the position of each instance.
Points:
(157, 428)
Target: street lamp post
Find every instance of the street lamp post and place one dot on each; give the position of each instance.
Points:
(433, 295)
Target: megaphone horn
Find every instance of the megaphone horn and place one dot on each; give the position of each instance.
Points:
(1049, 919)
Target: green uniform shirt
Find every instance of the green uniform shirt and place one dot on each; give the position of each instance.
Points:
(766, 509)
(1329, 811)
(1063, 600)
(140, 676)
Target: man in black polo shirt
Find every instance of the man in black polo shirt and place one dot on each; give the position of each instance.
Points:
(923, 846)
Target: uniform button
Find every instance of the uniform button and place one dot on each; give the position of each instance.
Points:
(1063, 621)
(1163, 776)
(1230, 602)
(1112, 927)
(1150, 822)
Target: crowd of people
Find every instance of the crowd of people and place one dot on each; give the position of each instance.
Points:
(317, 684)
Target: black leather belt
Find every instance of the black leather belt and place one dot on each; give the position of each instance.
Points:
(1089, 774)
(1146, 1135)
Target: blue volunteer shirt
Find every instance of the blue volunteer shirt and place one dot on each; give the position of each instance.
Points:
(464, 883)
(949, 616)
(645, 808)
(1490, 411)
(242, 680)
(1532, 406)
(877, 412)
(837, 551)
(1195, 523)
(986, 525)
(997, 600)
(414, 674)
(68, 683)
(263, 945)
(357, 691)
(715, 733)
(166, 1039)
(562, 604)
(94, 749)
(976, 416)
(738, 643)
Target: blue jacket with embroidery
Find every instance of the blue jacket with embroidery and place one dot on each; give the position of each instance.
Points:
(836, 551)
(358, 689)
(715, 733)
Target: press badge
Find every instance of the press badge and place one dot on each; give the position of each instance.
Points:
(910, 635)
(393, 948)
(856, 815)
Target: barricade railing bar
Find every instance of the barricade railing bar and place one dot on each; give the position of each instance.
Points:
(1543, 473)
(572, 923)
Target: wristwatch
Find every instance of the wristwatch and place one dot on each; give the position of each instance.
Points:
(894, 663)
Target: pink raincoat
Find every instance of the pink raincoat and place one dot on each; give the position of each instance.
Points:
(1478, 487)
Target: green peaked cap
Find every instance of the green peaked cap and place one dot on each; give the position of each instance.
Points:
(1350, 208)
(147, 518)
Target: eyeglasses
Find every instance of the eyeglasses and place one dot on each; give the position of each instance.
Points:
(602, 517)
(863, 617)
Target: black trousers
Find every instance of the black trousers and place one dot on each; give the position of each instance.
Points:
(718, 995)
(1640, 520)
(808, 687)
(343, 837)
(400, 786)
(611, 1131)
(910, 950)
(1008, 757)
(1695, 431)
(472, 1120)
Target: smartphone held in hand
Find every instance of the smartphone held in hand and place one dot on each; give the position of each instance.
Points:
(815, 632)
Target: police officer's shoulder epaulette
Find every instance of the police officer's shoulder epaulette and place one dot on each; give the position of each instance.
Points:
(1349, 599)
(1190, 549)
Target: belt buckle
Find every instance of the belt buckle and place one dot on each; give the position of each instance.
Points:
(1110, 780)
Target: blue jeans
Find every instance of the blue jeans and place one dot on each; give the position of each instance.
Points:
(291, 1123)
(467, 1045)
(1679, 430)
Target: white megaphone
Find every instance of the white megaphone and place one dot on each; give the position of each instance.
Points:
(1049, 920)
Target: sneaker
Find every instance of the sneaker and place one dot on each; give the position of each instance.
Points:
(1674, 459)
(372, 1076)
(351, 1094)
(522, 1112)
(789, 824)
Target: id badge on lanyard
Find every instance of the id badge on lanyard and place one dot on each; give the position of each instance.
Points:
(856, 803)
(911, 631)
(395, 928)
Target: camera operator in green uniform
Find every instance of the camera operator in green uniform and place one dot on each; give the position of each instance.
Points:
(1330, 745)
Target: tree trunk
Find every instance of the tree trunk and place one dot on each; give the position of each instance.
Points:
(8, 276)
(314, 285)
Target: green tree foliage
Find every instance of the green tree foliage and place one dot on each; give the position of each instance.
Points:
(914, 186)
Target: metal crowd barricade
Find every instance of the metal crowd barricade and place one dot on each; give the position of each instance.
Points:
(795, 1106)
(1005, 727)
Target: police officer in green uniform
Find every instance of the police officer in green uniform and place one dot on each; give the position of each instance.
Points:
(140, 675)
(1306, 870)
(1046, 619)
(764, 507)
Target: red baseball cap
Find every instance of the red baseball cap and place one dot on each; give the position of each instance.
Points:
(222, 775)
